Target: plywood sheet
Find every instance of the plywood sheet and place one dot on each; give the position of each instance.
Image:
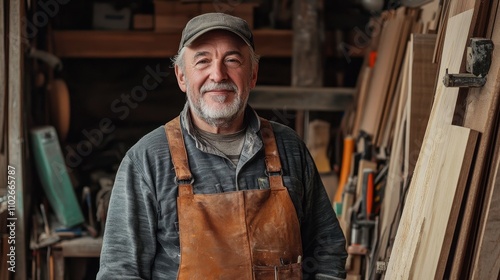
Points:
(435, 155)
(422, 81)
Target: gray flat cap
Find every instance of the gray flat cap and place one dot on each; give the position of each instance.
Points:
(201, 24)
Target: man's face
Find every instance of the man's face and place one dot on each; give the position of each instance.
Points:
(217, 77)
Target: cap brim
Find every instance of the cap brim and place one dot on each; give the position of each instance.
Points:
(197, 35)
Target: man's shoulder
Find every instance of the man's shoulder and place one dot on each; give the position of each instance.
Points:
(283, 131)
(150, 144)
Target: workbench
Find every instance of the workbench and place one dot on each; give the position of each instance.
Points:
(82, 247)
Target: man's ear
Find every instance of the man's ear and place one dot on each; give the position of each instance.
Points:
(181, 79)
(255, 71)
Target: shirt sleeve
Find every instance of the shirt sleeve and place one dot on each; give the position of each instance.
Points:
(129, 241)
(324, 244)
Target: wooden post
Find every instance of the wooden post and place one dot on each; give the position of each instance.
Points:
(15, 146)
(3, 84)
(307, 55)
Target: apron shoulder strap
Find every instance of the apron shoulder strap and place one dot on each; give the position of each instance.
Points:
(272, 159)
(179, 156)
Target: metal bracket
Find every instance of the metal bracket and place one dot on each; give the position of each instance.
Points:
(479, 55)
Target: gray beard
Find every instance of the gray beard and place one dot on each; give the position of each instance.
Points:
(217, 117)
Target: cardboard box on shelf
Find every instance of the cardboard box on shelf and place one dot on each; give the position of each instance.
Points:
(107, 16)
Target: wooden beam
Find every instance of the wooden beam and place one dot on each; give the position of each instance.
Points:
(16, 138)
(307, 51)
(124, 44)
(301, 98)
(443, 157)
(3, 76)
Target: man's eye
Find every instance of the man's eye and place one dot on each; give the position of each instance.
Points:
(233, 61)
(203, 61)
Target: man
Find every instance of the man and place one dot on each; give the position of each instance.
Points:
(219, 193)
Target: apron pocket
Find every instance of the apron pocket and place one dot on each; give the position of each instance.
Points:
(282, 272)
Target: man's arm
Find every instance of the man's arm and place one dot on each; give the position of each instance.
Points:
(129, 242)
(322, 238)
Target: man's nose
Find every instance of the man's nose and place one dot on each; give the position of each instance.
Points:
(219, 72)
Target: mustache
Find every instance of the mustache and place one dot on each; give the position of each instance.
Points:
(219, 86)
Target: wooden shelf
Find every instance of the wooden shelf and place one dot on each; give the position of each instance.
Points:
(332, 99)
(122, 44)
(130, 44)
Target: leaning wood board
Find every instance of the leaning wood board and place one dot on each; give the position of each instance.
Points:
(3, 84)
(487, 254)
(392, 191)
(436, 154)
(422, 82)
(390, 103)
(365, 77)
(387, 52)
(488, 97)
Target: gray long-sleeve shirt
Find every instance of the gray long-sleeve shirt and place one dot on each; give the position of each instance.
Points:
(141, 238)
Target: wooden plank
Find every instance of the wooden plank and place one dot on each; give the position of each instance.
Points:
(406, 257)
(3, 98)
(3, 76)
(486, 263)
(106, 44)
(422, 81)
(16, 138)
(389, 105)
(438, 50)
(430, 16)
(460, 6)
(382, 73)
(80, 247)
(395, 173)
(123, 44)
(461, 185)
(459, 265)
(301, 98)
(365, 77)
(397, 104)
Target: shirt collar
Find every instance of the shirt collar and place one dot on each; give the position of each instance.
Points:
(251, 118)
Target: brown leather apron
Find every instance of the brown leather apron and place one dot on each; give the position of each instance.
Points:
(251, 234)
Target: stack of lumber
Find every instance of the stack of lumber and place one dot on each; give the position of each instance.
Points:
(439, 218)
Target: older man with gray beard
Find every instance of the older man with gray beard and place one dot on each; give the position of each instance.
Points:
(218, 192)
